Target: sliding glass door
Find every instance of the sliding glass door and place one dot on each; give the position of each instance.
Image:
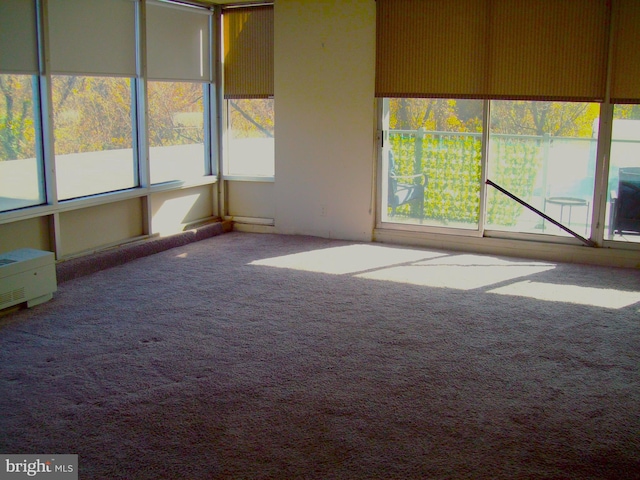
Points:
(545, 154)
(431, 166)
(623, 189)
(437, 153)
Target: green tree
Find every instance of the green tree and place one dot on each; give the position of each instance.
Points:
(91, 114)
(17, 131)
(628, 112)
(557, 119)
(252, 118)
(434, 114)
(176, 113)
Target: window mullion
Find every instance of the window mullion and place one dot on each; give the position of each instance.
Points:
(140, 103)
(45, 101)
(598, 223)
(45, 119)
(484, 158)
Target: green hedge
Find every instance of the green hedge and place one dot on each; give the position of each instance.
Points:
(452, 163)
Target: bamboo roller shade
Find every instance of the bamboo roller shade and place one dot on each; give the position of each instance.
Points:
(248, 52)
(520, 49)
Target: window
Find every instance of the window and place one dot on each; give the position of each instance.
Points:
(623, 192)
(542, 72)
(178, 69)
(93, 63)
(248, 91)
(250, 137)
(545, 154)
(176, 131)
(21, 179)
(432, 162)
(92, 135)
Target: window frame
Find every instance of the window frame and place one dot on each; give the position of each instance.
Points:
(254, 84)
(34, 82)
(597, 232)
(227, 150)
(53, 206)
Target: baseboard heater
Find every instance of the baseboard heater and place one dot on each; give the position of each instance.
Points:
(27, 276)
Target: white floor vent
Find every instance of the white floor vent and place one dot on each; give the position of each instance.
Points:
(26, 275)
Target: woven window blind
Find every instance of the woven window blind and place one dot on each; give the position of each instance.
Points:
(625, 75)
(535, 49)
(18, 40)
(92, 37)
(430, 48)
(548, 49)
(248, 52)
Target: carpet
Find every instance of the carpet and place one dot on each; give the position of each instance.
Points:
(258, 356)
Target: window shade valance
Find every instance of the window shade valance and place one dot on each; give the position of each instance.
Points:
(178, 42)
(93, 37)
(248, 52)
(430, 48)
(18, 37)
(625, 65)
(536, 49)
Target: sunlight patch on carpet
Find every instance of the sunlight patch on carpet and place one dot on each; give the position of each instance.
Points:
(596, 297)
(462, 272)
(347, 259)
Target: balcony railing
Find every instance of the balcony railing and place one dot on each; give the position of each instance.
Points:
(535, 168)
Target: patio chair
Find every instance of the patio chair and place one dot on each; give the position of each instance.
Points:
(625, 203)
(405, 189)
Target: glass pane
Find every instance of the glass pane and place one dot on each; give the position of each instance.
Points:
(176, 131)
(432, 162)
(21, 180)
(623, 199)
(250, 137)
(93, 135)
(545, 154)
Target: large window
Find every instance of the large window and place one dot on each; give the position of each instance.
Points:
(93, 135)
(93, 61)
(250, 137)
(432, 162)
(248, 91)
(623, 192)
(178, 58)
(21, 180)
(176, 131)
(545, 154)
(548, 74)
(542, 153)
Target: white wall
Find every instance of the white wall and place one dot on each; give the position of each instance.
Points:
(325, 121)
(251, 199)
(92, 228)
(173, 210)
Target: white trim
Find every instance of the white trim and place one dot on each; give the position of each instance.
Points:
(182, 184)
(101, 199)
(249, 178)
(251, 220)
(427, 229)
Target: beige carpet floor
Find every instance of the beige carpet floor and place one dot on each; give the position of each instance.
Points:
(263, 356)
